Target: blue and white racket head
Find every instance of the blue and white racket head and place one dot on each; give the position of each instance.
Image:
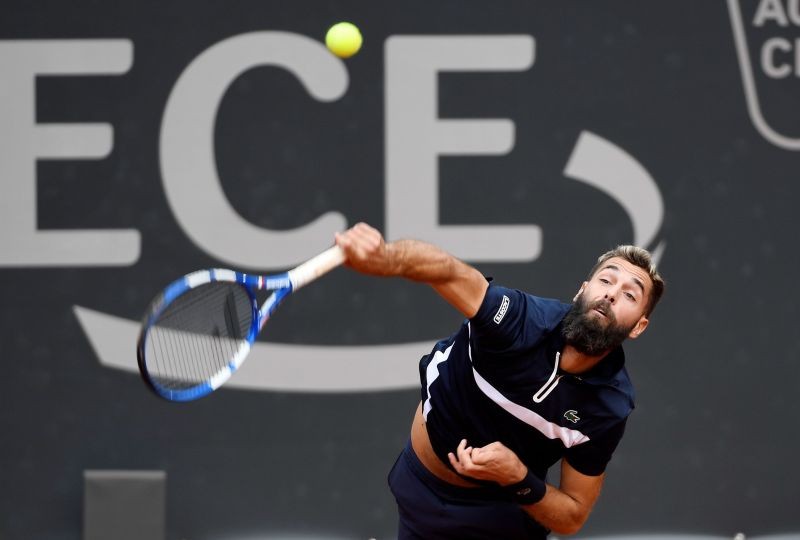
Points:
(197, 333)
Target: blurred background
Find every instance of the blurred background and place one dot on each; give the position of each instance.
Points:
(142, 140)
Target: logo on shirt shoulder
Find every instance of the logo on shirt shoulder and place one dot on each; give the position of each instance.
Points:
(572, 416)
(502, 311)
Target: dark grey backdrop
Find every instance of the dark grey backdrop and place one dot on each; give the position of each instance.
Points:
(712, 444)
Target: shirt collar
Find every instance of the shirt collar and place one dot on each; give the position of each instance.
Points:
(604, 371)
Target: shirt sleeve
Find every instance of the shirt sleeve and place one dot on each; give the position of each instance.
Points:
(510, 320)
(591, 458)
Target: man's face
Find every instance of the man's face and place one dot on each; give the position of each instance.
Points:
(609, 308)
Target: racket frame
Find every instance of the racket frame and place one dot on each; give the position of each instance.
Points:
(281, 286)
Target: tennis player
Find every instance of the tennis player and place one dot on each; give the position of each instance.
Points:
(523, 383)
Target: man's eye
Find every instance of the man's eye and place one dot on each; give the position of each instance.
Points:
(630, 296)
(604, 280)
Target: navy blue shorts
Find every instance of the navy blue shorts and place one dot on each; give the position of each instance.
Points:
(431, 509)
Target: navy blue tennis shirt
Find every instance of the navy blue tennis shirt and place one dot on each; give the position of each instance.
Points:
(498, 379)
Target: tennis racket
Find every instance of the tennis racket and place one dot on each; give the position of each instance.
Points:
(198, 331)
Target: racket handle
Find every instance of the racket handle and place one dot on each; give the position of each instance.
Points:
(316, 267)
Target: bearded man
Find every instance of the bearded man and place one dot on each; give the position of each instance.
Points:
(524, 383)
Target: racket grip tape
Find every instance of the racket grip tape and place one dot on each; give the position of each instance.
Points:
(316, 267)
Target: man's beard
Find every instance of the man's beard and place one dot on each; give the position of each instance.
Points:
(587, 333)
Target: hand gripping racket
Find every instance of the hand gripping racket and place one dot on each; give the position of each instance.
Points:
(198, 331)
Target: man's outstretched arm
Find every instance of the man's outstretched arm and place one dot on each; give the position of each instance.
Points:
(457, 282)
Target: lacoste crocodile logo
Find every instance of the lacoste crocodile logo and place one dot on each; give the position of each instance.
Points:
(572, 416)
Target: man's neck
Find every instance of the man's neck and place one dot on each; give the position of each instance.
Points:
(575, 362)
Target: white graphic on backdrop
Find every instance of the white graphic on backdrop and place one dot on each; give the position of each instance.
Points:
(768, 12)
(23, 141)
(188, 163)
(416, 138)
(607, 167)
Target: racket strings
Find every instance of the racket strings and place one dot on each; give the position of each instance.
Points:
(198, 335)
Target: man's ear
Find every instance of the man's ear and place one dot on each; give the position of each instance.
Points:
(583, 286)
(640, 327)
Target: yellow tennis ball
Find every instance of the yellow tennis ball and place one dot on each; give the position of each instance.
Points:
(343, 39)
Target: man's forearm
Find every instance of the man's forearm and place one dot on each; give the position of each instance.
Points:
(420, 261)
(457, 282)
(367, 252)
(558, 512)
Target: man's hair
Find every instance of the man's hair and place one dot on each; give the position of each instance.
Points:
(638, 257)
